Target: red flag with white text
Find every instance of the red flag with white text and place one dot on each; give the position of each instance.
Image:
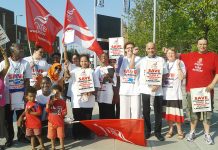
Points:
(42, 27)
(127, 130)
(82, 35)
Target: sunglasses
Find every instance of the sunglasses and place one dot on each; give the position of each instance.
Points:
(58, 68)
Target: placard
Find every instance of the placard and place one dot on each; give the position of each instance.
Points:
(116, 47)
(201, 100)
(84, 80)
(153, 73)
(3, 37)
(69, 36)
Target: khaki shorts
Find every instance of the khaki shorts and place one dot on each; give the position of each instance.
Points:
(202, 116)
(32, 132)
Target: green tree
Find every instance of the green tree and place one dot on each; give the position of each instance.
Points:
(179, 23)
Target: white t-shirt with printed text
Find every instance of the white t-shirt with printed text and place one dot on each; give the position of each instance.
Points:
(129, 78)
(40, 67)
(105, 92)
(172, 85)
(14, 82)
(144, 88)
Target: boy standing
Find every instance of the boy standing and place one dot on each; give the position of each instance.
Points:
(33, 122)
(56, 108)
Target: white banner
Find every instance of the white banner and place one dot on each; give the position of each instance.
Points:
(84, 80)
(69, 36)
(153, 73)
(116, 47)
(3, 37)
(201, 100)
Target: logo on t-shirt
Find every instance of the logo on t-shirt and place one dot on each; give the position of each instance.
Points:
(198, 65)
(169, 79)
(129, 76)
(56, 110)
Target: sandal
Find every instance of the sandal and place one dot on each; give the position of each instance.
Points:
(180, 136)
(42, 148)
(169, 135)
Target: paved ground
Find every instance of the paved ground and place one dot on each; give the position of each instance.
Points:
(99, 143)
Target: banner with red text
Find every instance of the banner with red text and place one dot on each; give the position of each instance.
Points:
(201, 100)
(126, 130)
(116, 47)
(153, 73)
(42, 27)
(84, 80)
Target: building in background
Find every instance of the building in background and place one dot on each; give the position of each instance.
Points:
(107, 27)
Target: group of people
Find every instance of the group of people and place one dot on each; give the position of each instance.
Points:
(158, 80)
(126, 88)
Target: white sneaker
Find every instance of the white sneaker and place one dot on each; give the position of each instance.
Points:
(208, 139)
(68, 120)
(190, 137)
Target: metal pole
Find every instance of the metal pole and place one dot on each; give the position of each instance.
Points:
(95, 33)
(4, 26)
(121, 21)
(16, 25)
(154, 21)
(16, 29)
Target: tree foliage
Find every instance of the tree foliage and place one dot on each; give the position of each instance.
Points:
(179, 23)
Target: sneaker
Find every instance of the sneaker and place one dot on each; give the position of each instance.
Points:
(208, 139)
(190, 137)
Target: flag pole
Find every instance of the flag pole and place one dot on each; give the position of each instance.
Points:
(95, 35)
(154, 21)
(61, 51)
(30, 49)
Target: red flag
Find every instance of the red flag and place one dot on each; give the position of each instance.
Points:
(42, 27)
(82, 34)
(127, 130)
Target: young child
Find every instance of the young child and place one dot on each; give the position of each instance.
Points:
(56, 108)
(32, 114)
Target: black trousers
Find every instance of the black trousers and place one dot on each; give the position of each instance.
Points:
(106, 111)
(79, 130)
(157, 113)
(9, 123)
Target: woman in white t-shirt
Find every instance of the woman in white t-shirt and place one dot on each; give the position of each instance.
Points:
(130, 102)
(84, 84)
(107, 78)
(172, 93)
(38, 65)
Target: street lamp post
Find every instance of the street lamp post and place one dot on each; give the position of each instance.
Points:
(16, 25)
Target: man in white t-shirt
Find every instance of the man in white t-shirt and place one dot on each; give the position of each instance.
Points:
(38, 65)
(152, 68)
(43, 95)
(16, 79)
